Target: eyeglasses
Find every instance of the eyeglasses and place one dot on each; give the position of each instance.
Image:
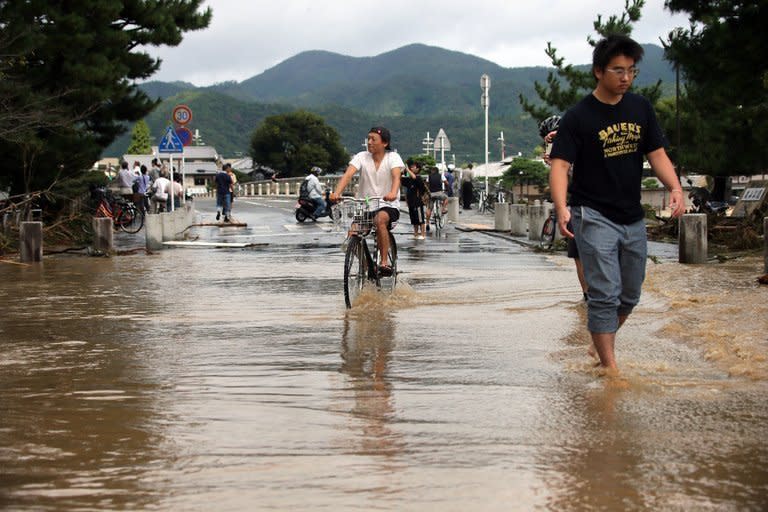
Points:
(621, 72)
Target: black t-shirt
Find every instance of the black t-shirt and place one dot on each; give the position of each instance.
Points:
(414, 188)
(435, 182)
(606, 144)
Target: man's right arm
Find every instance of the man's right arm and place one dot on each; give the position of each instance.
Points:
(558, 186)
(343, 182)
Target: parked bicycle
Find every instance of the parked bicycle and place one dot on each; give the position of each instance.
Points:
(484, 203)
(548, 231)
(124, 213)
(361, 260)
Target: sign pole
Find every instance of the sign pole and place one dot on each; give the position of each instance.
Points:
(170, 156)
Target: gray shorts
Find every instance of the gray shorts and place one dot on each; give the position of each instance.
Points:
(614, 259)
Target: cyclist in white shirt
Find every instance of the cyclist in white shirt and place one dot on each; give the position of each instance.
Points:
(380, 169)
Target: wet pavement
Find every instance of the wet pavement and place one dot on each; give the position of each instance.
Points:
(203, 378)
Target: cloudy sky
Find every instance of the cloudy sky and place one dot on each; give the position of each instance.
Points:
(246, 38)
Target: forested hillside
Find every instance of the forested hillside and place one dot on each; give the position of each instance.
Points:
(412, 90)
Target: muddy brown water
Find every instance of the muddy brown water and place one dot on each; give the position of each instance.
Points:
(223, 379)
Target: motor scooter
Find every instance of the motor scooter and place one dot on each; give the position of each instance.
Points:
(305, 208)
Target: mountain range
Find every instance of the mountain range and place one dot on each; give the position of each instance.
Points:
(412, 90)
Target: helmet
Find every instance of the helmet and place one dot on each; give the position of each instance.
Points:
(315, 170)
(550, 124)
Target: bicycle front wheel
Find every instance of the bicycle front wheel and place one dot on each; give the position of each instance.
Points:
(130, 219)
(388, 283)
(355, 270)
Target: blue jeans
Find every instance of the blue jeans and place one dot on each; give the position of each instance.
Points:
(319, 206)
(614, 258)
(224, 201)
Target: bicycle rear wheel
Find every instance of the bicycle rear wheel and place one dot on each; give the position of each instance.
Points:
(130, 219)
(548, 233)
(355, 270)
(437, 216)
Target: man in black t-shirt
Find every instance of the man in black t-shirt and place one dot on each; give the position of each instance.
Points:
(605, 137)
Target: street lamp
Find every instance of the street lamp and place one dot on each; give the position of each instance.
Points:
(521, 186)
(485, 85)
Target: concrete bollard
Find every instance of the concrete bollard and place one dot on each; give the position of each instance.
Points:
(154, 232)
(31, 241)
(537, 216)
(258, 189)
(501, 217)
(103, 235)
(518, 219)
(287, 188)
(692, 239)
(167, 223)
(453, 209)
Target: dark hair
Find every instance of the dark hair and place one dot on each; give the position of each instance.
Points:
(143, 169)
(226, 166)
(613, 45)
(383, 133)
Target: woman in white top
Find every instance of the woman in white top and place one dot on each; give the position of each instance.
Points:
(380, 169)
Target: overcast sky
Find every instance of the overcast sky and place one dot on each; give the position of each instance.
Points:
(246, 38)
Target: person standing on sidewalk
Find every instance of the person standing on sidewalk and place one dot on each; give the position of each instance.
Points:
(467, 190)
(605, 137)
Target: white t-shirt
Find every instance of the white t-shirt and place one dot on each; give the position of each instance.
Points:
(161, 186)
(377, 182)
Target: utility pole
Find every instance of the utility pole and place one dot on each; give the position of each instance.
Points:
(485, 85)
(427, 144)
(501, 139)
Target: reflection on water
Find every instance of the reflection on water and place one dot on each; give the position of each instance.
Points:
(248, 385)
(367, 341)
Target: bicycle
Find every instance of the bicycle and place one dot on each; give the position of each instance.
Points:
(548, 231)
(438, 218)
(484, 203)
(124, 214)
(361, 262)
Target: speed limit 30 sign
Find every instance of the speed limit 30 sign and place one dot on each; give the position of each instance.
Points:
(182, 114)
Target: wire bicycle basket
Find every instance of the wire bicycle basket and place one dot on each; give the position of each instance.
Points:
(355, 215)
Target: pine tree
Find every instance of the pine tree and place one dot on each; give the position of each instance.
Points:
(724, 106)
(567, 84)
(83, 59)
(141, 142)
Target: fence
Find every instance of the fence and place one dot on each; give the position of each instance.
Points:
(287, 187)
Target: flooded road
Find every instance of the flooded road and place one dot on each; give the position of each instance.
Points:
(235, 379)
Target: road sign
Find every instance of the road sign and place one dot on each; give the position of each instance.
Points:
(182, 114)
(184, 134)
(170, 143)
(441, 141)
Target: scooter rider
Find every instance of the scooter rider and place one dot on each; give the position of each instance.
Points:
(315, 191)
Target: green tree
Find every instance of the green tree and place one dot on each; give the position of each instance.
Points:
(81, 59)
(292, 143)
(426, 161)
(567, 84)
(525, 171)
(141, 141)
(725, 102)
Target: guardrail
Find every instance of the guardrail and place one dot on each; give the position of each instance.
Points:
(286, 187)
